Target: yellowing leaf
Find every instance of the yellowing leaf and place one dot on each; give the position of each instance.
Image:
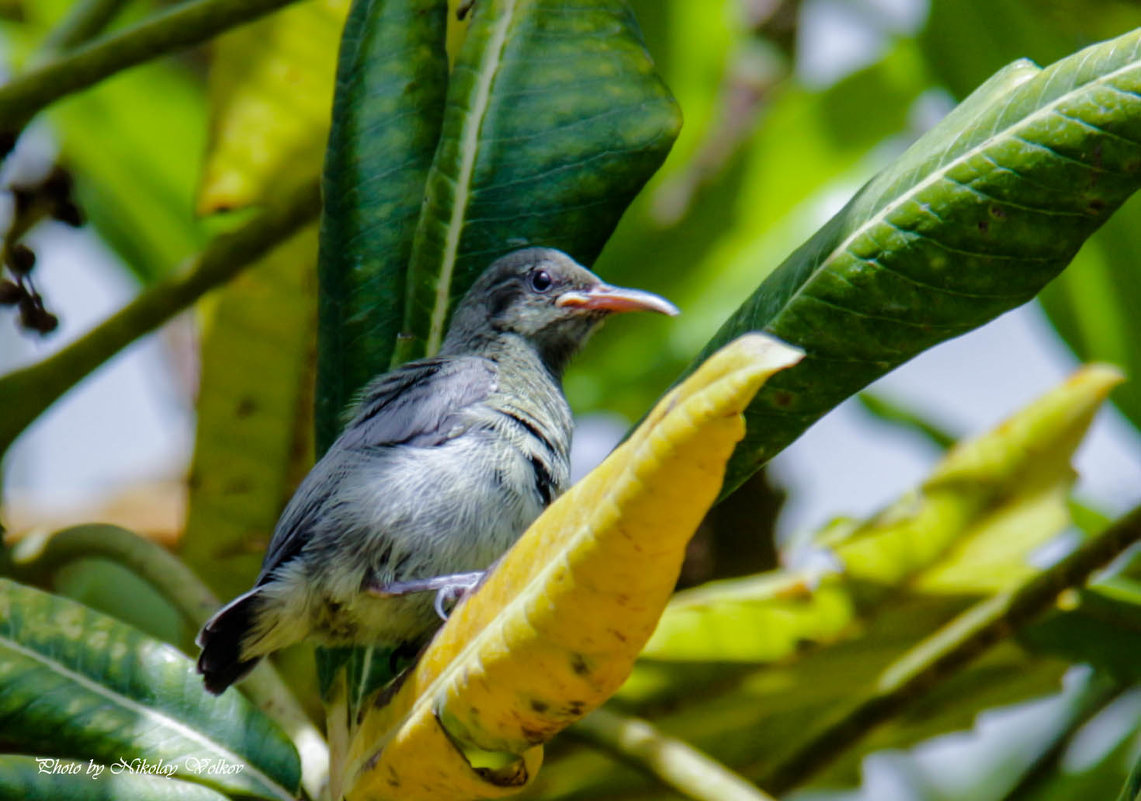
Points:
(988, 502)
(271, 88)
(556, 627)
(253, 442)
(966, 531)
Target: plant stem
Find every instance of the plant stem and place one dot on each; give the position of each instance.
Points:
(85, 20)
(25, 393)
(948, 650)
(673, 762)
(36, 557)
(182, 26)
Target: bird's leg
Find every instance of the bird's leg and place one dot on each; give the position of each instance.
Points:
(448, 589)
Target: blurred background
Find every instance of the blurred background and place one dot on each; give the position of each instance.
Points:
(789, 107)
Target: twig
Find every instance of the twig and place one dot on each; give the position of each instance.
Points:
(182, 26)
(949, 649)
(36, 558)
(25, 393)
(85, 20)
(673, 762)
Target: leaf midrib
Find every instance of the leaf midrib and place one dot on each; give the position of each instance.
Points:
(144, 712)
(469, 147)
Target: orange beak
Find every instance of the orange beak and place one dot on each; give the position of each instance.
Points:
(604, 297)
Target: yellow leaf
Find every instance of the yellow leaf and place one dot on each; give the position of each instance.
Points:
(988, 502)
(556, 627)
(271, 89)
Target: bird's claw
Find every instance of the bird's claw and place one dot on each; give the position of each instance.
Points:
(448, 589)
(460, 585)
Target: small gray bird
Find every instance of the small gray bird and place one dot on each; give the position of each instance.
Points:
(445, 463)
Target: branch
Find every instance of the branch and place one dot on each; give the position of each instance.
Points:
(673, 762)
(85, 20)
(948, 650)
(25, 393)
(36, 558)
(182, 26)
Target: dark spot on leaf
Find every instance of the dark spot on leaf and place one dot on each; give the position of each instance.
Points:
(237, 486)
(576, 708)
(984, 226)
(1096, 206)
(533, 736)
(997, 212)
(578, 665)
(782, 398)
(539, 706)
(619, 635)
(246, 407)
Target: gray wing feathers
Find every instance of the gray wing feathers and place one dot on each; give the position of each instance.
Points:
(418, 404)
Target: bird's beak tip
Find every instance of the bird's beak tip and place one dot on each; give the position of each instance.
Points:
(605, 297)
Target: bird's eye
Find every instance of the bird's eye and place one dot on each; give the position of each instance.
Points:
(541, 280)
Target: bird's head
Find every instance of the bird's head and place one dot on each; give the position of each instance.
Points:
(546, 298)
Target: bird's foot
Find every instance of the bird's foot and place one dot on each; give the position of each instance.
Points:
(448, 589)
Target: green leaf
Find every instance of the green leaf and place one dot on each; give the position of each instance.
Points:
(387, 112)
(79, 684)
(271, 83)
(119, 140)
(970, 222)
(25, 778)
(253, 440)
(555, 118)
(1132, 789)
(1098, 625)
(1089, 304)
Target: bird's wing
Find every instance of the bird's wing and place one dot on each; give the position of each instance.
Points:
(417, 404)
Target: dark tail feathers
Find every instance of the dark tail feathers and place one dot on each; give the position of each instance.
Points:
(220, 662)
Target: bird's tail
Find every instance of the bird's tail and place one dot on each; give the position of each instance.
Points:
(221, 662)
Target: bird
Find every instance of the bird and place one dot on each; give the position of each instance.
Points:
(444, 463)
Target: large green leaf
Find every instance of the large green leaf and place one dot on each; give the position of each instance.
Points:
(25, 778)
(970, 222)
(387, 112)
(81, 685)
(253, 442)
(554, 120)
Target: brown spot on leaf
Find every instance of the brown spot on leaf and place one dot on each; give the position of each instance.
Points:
(578, 665)
(539, 706)
(984, 226)
(782, 398)
(997, 212)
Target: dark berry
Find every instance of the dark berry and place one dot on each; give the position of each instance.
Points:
(21, 259)
(11, 293)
